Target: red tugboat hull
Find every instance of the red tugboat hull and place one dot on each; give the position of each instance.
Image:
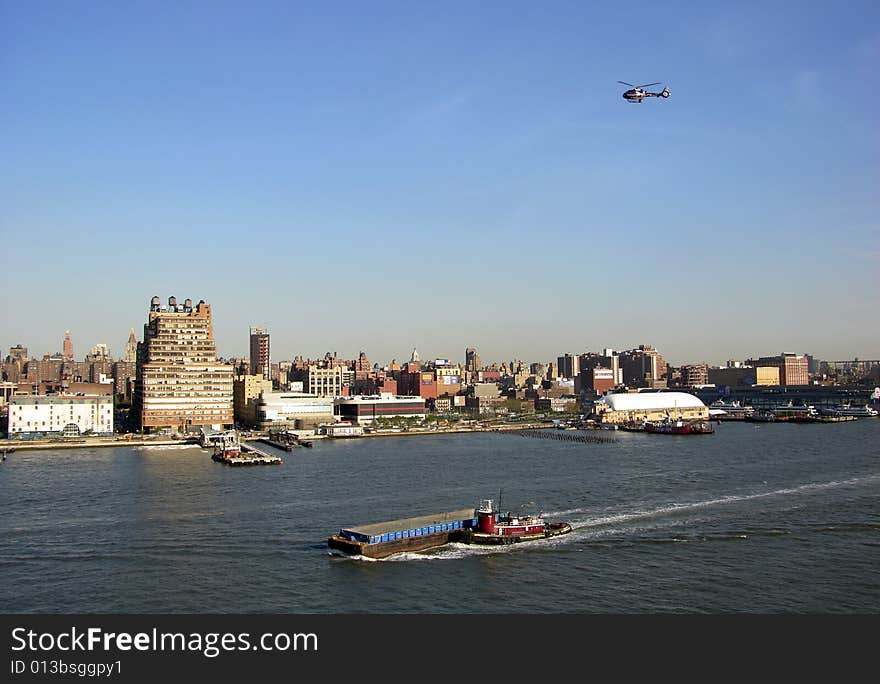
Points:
(495, 528)
(553, 529)
(669, 428)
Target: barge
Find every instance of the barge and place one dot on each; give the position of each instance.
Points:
(381, 540)
(484, 525)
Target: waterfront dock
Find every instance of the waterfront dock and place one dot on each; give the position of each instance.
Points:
(278, 445)
(93, 442)
(283, 440)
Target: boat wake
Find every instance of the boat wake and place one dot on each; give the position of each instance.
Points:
(597, 527)
(675, 508)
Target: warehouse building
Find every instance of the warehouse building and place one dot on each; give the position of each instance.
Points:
(627, 407)
(34, 417)
(364, 410)
(293, 409)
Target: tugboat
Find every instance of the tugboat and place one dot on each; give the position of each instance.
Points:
(493, 527)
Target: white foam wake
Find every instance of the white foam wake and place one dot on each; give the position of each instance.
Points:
(599, 526)
(721, 500)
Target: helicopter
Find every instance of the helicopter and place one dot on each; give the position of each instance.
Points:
(638, 93)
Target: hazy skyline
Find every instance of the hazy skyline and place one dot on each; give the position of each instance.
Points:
(393, 176)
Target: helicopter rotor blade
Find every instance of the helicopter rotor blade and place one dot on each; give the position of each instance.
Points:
(649, 84)
(625, 83)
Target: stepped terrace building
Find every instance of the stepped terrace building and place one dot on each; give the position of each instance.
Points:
(179, 383)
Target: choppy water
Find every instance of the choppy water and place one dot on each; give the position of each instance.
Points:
(755, 518)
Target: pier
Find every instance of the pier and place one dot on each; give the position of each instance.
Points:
(285, 441)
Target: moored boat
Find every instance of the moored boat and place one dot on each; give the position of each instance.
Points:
(702, 427)
(848, 410)
(227, 446)
(794, 412)
(678, 427)
(729, 410)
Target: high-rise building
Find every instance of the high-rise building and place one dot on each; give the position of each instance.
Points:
(472, 362)
(794, 369)
(99, 351)
(19, 353)
(362, 367)
(68, 347)
(608, 359)
(123, 378)
(643, 367)
(329, 381)
(131, 348)
(179, 383)
(694, 374)
(567, 366)
(14, 367)
(246, 390)
(260, 364)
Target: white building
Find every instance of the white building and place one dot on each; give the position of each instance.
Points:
(342, 429)
(33, 416)
(293, 409)
(625, 407)
(366, 409)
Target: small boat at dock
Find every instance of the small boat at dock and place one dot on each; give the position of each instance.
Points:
(848, 410)
(729, 410)
(702, 427)
(670, 427)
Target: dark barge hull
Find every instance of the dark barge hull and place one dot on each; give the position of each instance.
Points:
(385, 549)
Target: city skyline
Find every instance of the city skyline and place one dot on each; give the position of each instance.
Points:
(488, 358)
(472, 170)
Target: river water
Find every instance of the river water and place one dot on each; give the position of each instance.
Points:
(758, 518)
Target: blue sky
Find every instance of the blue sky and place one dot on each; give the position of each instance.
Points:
(443, 175)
